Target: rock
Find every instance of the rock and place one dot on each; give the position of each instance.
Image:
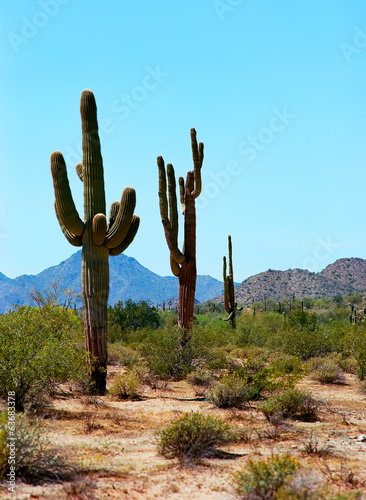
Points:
(362, 437)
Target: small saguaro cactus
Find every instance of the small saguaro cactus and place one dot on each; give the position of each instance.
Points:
(229, 293)
(98, 237)
(182, 263)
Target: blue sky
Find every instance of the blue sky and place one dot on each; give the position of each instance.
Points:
(275, 90)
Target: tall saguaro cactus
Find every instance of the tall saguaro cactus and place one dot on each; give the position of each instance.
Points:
(98, 237)
(229, 293)
(182, 263)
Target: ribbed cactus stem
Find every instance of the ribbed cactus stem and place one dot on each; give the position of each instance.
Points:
(229, 293)
(182, 263)
(98, 238)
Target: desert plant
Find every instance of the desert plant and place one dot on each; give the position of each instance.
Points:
(293, 403)
(98, 237)
(35, 458)
(38, 349)
(194, 436)
(263, 478)
(122, 355)
(126, 386)
(229, 293)
(182, 263)
(327, 369)
(231, 391)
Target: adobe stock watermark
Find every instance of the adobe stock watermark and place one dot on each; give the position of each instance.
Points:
(356, 47)
(121, 108)
(31, 26)
(322, 251)
(223, 7)
(249, 149)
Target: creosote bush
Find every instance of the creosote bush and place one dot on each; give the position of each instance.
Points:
(293, 403)
(126, 386)
(194, 436)
(35, 458)
(327, 370)
(231, 391)
(38, 349)
(263, 478)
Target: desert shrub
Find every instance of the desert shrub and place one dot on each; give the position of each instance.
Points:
(263, 478)
(126, 386)
(327, 370)
(124, 317)
(164, 355)
(201, 377)
(35, 458)
(194, 436)
(119, 354)
(217, 359)
(39, 348)
(349, 364)
(363, 387)
(356, 343)
(231, 391)
(293, 403)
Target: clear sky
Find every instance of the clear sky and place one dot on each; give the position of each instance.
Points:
(275, 90)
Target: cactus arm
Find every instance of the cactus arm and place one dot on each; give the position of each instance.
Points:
(67, 212)
(174, 266)
(182, 190)
(117, 233)
(231, 316)
(79, 171)
(172, 202)
(163, 204)
(99, 229)
(197, 154)
(113, 213)
(76, 241)
(131, 233)
(226, 295)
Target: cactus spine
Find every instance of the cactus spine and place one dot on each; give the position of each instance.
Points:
(98, 238)
(182, 263)
(229, 293)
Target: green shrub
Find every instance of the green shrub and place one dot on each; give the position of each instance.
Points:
(126, 386)
(327, 370)
(194, 436)
(164, 355)
(122, 355)
(35, 458)
(231, 392)
(39, 348)
(293, 403)
(263, 478)
(129, 316)
(201, 377)
(356, 343)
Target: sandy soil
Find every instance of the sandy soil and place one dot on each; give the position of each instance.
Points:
(115, 444)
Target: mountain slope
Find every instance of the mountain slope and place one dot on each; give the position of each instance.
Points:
(128, 280)
(344, 277)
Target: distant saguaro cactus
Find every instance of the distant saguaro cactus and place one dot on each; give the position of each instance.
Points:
(182, 263)
(229, 293)
(98, 238)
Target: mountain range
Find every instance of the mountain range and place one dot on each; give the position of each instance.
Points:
(343, 277)
(127, 278)
(130, 280)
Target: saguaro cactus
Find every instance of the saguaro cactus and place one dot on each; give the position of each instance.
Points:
(229, 293)
(182, 263)
(98, 238)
